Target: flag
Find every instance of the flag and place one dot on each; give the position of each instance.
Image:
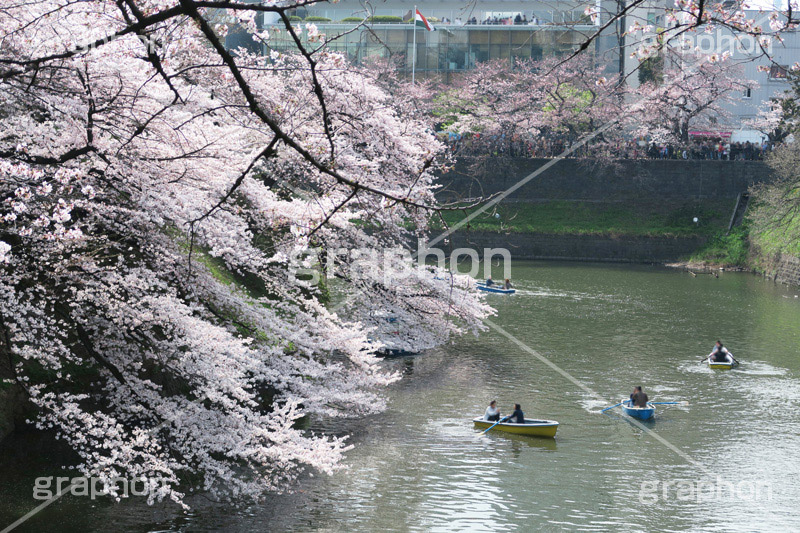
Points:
(421, 22)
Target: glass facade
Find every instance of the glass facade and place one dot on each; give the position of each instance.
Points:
(449, 49)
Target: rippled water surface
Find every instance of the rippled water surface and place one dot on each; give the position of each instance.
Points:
(421, 466)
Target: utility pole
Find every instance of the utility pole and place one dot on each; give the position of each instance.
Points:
(414, 52)
(621, 36)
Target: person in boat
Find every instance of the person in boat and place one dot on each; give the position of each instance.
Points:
(507, 284)
(638, 398)
(719, 354)
(492, 412)
(489, 282)
(517, 417)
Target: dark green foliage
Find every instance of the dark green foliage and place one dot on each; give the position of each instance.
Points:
(651, 70)
(386, 19)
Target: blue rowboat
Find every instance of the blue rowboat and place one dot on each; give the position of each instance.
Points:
(497, 290)
(642, 413)
(494, 288)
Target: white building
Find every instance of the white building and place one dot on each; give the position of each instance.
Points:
(468, 32)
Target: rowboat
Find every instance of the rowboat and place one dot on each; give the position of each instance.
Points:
(494, 288)
(721, 365)
(642, 413)
(531, 427)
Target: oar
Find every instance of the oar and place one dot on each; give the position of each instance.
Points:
(493, 425)
(613, 406)
(670, 403)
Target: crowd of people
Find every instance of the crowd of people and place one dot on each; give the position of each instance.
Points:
(710, 149)
(554, 145)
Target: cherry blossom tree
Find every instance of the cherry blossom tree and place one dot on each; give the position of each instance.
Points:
(171, 212)
(693, 94)
(778, 117)
(532, 100)
(772, 121)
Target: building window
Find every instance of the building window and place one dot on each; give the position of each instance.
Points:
(778, 72)
(747, 93)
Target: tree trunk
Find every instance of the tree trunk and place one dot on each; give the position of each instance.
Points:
(12, 397)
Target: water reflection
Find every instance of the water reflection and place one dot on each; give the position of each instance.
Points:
(519, 442)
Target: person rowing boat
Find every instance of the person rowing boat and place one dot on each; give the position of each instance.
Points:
(638, 398)
(720, 354)
(517, 417)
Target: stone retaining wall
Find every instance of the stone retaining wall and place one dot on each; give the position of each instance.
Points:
(785, 269)
(672, 181)
(623, 249)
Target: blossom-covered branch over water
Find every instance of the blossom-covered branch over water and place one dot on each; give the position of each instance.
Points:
(155, 190)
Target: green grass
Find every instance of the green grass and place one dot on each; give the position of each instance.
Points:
(780, 240)
(725, 250)
(584, 218)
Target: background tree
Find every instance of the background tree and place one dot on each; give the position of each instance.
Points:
(775, 219)
(780, 117)
(537, 102)
(692, 95)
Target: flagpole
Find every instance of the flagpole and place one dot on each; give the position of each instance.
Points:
(414, 53)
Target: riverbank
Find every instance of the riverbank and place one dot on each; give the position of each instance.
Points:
(773, 253)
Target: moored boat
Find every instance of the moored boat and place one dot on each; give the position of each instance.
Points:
(531, 427)
(642, 413)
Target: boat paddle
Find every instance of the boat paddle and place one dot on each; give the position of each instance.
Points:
(493, 425)
(670, 403)
(613, 406)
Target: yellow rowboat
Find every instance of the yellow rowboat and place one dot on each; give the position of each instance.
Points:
(531, 427)
(721, 365)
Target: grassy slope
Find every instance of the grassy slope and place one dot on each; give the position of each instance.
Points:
(580, 218)
(725, 250)
(785, 240)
